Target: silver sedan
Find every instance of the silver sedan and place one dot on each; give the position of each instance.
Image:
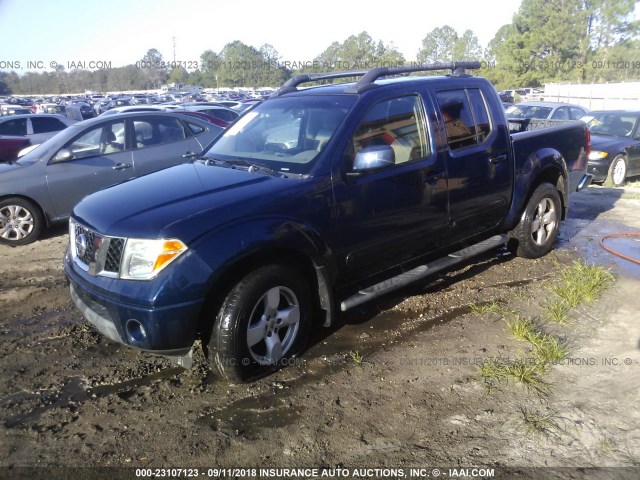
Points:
(43, 186)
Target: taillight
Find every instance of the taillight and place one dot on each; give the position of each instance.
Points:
(587, 137)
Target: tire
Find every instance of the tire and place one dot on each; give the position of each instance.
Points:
(21, 222)
(251, 335)
(537, 230)
(617, 171)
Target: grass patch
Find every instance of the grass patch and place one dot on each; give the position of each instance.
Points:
(357, 358)
(630, 196)
(550, 350)
(547, 349)
(521, 327)
(606, 445)
(582, 282)
(496, 372)
(540, 423)
(494, 307)
(557, 312)
(529, 375)
(493, 374)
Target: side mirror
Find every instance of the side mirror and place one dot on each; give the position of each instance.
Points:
(373, 158)
(63, 155)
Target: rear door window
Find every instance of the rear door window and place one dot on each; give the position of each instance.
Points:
(466, 117)
(157, 131)
(16, 126)
(46, 124)
(561, 113)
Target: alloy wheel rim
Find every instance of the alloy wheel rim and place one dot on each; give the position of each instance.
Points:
(273, 325)
(16, 222)
(544, 222)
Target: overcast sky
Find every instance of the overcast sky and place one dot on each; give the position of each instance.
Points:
(121, 31)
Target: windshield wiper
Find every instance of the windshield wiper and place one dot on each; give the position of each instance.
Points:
(251, 167)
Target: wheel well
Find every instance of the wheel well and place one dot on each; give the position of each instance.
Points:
(230, 277)
(554, 177)
(31, 200)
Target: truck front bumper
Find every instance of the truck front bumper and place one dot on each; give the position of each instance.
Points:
(128, 313)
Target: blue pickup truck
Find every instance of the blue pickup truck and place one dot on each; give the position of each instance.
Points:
(319, 199)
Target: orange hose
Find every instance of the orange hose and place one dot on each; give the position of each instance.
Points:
(614, 252)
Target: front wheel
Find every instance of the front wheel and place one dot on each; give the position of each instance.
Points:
(263, 321)
(618, 171)
(538, 228)
(20, 222)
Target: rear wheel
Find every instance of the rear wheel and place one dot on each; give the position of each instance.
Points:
(538, 228)
(20, 222)
(618, 171)
(263, 322)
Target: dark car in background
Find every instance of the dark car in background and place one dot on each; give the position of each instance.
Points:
(43, 186)
(79, 110)
(615, 145)
(222, 113)
(506, 96)
(119, 102)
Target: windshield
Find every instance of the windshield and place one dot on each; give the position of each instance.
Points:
(611, 123)
(527, 111)
(50, 146)
(284, 134)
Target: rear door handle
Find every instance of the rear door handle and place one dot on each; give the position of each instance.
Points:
(121, 166)
(190, 155)
(498, 159)
(433, 179)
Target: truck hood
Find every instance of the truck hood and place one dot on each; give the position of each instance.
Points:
(155, 205)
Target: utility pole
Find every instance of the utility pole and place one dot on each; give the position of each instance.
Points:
(174, 50)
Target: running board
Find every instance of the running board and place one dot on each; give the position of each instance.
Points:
(421, 272)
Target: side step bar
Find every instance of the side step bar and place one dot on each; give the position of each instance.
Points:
(422, 271)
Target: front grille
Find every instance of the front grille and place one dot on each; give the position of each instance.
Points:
(86, 251)
(114, 255)
(95, 253)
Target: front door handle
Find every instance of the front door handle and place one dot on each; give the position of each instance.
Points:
(498, 159)
(190, 155)
(121, 166)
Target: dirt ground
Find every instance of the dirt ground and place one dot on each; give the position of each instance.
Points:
(71, 398)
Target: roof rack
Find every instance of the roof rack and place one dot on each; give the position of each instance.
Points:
(291, 84)
(370, 76)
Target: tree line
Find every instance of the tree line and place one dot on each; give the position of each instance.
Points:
(578, 41)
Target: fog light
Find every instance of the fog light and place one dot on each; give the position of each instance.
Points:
(136, 332)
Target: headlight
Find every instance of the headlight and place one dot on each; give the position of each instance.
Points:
(597, 155)
(144, 259)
